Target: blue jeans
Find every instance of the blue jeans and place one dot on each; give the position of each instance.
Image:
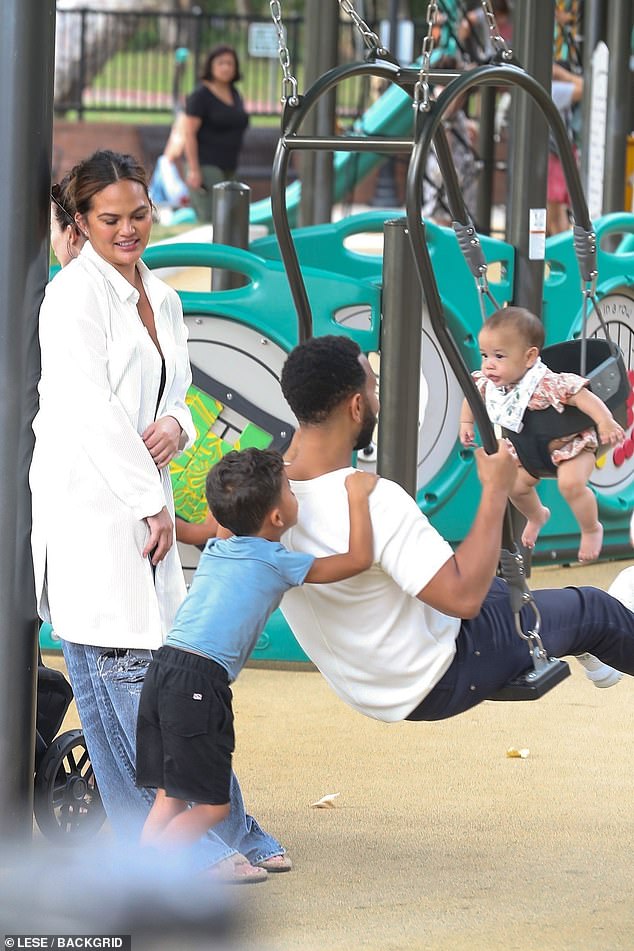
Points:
(107, 686)
(489, 652)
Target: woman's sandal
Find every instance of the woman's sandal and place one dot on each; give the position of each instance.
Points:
(276, 863)
(237, 870)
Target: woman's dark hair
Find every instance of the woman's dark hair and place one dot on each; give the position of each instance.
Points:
(220, 50)
(103, 168)
(243, 487)
(319, 374)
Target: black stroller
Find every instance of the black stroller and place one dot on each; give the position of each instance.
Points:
(66, 801)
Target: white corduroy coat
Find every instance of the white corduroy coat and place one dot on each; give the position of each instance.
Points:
(92, 479)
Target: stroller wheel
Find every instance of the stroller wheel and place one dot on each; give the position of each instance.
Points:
(66, 801)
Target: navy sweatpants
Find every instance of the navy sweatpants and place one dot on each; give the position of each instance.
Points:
(489, 651)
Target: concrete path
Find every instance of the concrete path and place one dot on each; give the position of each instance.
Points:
(437, 840)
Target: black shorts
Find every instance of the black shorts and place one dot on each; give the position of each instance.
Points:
(185, 728)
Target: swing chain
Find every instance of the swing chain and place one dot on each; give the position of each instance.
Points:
(512, 569)
(289, 83)
(499, 43)
(369, 37)
(422, 98)
(471, 248)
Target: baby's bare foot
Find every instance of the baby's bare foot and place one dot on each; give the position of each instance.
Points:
(533, 528)
(590, 547)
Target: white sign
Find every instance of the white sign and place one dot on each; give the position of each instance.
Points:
(402, 47)
(596, 144)
(536, 234)
(263, 40)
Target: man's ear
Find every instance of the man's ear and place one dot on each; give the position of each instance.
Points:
(356, 407)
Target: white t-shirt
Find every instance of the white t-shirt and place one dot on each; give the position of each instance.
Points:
(379, 647)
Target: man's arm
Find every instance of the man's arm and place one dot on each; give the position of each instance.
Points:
(461, 585)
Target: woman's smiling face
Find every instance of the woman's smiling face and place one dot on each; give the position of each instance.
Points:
(118, 224)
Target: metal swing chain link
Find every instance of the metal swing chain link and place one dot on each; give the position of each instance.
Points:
(422, 98)
(499, 43)
(471, 248)
(512, 568)
(368, 36)
(289, 83)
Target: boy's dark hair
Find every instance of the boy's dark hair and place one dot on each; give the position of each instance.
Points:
(525, 324)
(243, 487)
(319, 374)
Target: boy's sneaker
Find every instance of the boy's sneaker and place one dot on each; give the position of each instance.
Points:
(601, 675)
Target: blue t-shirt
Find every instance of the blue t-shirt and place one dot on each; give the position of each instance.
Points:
(238, 584)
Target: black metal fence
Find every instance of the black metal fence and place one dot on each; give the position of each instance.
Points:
(116, 61)
(147, 62)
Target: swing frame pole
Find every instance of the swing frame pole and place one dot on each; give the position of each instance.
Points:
(534, 23)
(27, 44)
(401, 350)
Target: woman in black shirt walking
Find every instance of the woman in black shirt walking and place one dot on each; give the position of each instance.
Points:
(215, 121)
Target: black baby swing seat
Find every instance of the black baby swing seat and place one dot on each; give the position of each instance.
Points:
(608, 380)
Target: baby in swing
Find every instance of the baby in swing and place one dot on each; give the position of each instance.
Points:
(512, 380)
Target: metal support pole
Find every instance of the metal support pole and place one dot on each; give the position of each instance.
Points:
(308, 173)
(321, 28)
(528, 157)
(401, 345)
(326, 114)
(230, 215)
(486, 148)
(27, 44)
(619, 31)
(594, 15)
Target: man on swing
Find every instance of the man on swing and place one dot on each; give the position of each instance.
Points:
(426, 632)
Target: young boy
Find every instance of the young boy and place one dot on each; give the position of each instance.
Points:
(185, 732)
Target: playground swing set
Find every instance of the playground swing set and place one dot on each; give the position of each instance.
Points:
(237, 348)
(609, 376)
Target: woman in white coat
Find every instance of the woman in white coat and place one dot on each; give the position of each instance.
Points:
(115, 372)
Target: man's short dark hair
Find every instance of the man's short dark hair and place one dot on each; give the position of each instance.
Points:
(319, 374)
(243, 487)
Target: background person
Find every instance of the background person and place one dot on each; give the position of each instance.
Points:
(115, 371)
(66, 238)
(215, 122)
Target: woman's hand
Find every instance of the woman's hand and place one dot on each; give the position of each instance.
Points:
(161, 537)
(194, 178)
(162, 438)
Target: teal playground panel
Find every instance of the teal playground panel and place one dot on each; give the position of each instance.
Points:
(391, 115)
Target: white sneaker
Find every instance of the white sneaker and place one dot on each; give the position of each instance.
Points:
(622, 588)
(601, 675)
